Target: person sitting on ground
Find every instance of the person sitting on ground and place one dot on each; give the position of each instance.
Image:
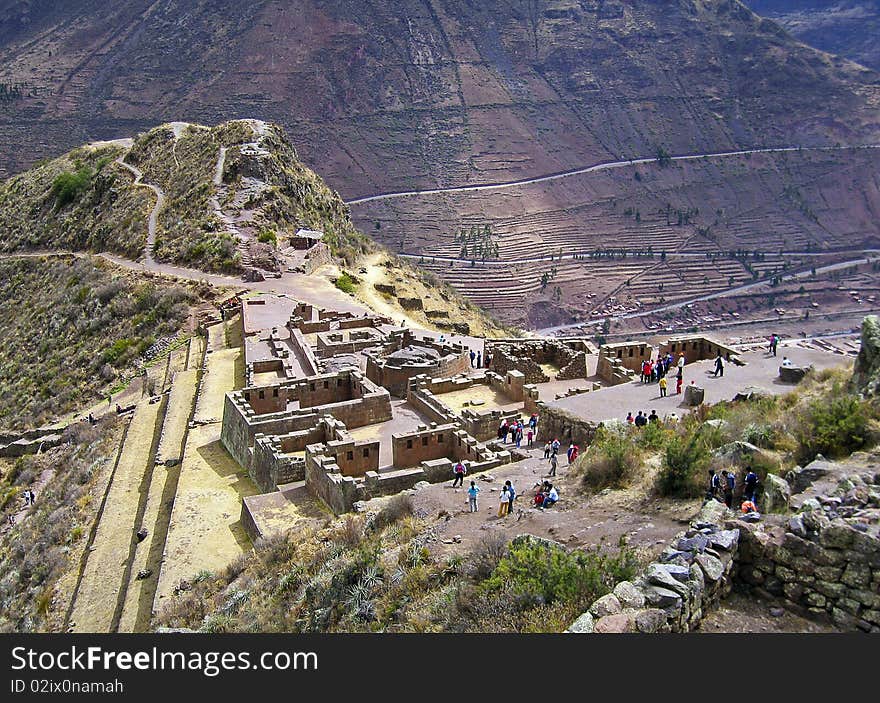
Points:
(641, 420)
(629, 418)
(551, 497)
(653, 417)
(538, 488)
(748, 507)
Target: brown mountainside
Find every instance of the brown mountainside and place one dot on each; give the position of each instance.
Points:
(388, 96)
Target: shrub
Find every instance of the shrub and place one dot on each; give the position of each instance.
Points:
(833, 428)
(540, 573)
(268, 236)
(345, 284)
(612, 459)
(685, 460)
(67, 185)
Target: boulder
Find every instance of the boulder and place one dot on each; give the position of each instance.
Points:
(725, 540)
(670, 576)
(776, 495)
(661, 597)
(712, 512)
(866, 372)
(616, 624)
(801, 478)
(697, 543)
(712, 567)
(751, 393)
(651, 620)
(792, 374)
(606, 605)
(628, 595)
(694, 395)
(585, 624)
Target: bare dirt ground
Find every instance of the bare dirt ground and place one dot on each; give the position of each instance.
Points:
(576, 521)
(746, 613)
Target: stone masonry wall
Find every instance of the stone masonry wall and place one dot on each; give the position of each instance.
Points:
(674, 593)
(830, 568)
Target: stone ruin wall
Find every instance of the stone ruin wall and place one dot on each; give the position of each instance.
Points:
(674, 593)
(554, 423)
(832, 570)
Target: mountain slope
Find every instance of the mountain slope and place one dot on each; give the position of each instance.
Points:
(849, 28)
(448, 91)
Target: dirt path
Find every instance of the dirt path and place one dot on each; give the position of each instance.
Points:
(605, 166)
(23, 513)
(101, 589)
(205, 531)
(153, 219)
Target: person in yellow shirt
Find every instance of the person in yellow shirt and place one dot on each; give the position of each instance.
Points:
(663, 387)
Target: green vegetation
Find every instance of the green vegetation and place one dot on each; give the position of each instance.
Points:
(345, 283)
(822, 416)
(376, 574)
(81, 201)
(48, 542)
(67, 186)
(268, 236)
(70, 328)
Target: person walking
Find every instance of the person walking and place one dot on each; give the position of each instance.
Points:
(473, 491)
(554, 447)
(504, 504)
(459, 470)
(663, 384)
(751, 490)
(530, 436)
(679, 379)
(554, 463)
(574, 454)
(569, 451)
(719, 366)
(729, 483)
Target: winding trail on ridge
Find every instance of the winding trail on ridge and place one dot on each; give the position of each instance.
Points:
(153, 220)
(603, 166)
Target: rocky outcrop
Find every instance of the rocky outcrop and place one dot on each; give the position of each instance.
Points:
(674, 593)
(866, 374)
(775, 496)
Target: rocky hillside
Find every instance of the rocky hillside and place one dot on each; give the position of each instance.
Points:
(846, 27)
(225, 190)
(71, 328)
(391, 96)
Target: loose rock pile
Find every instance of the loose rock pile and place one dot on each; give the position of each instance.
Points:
(674, 593)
